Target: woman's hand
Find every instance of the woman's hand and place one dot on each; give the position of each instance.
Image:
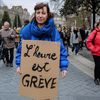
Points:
(18, 70)
(64, 73)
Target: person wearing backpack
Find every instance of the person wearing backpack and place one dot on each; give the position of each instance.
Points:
(93, 43)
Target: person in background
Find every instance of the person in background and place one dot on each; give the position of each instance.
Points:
(17, 38)
(42, 27)
(66, 38)
(26, 22)
(8, 36)
(74, 39)
(93, 43)
(79, 39)
(83, 36)
(61, 34)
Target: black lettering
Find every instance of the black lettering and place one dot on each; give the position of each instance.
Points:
(53, 83)
(34, 80)
(53, 56)
(34, 68)
(36, 50)
(25, 81)
(38, 82)
(37, 67)
(38, 54)
(41, 82)
(28, 48)
(47, 82)
(47, 55)
(46, 70)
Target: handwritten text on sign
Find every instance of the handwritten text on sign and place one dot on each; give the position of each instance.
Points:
(40, 67)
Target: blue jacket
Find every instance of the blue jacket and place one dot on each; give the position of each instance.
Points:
(47, 33)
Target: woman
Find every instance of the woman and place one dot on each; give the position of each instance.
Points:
(42, 28)
(93, 44)
(74, 39)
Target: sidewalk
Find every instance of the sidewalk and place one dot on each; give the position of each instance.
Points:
(76, 86)
(83, 61)
(79, 83)
(86, 53)
(82, 64)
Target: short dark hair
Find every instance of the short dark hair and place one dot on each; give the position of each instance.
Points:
(26, 22)
(40, 6)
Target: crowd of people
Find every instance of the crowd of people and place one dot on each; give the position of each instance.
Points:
(74, 38)
(80, 38)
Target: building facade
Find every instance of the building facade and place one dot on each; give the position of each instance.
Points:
(22, 12)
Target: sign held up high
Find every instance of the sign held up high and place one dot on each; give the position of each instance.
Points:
(40, 69)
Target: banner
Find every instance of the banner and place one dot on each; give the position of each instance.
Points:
(40, 69)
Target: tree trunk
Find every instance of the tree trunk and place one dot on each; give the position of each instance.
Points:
(94, 14)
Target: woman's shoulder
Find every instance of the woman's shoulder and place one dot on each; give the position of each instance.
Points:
(97, 29)
(93, 31)
(25, 31)
(26, 28)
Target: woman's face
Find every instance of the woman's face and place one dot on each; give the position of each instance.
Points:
(41, 16)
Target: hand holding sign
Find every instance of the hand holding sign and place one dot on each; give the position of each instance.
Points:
(18, 71)
(64, 73)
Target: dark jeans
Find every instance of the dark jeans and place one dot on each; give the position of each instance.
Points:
(9, 55)
(75, 47)
(97, 67)
(81, 45)
(16, 44)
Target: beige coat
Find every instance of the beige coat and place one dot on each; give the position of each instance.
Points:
(8, 37)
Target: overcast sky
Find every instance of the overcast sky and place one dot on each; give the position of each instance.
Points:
(29, 4)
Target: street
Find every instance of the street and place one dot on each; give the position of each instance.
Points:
(76, 86)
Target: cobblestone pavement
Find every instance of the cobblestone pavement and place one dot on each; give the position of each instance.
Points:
(76, 86)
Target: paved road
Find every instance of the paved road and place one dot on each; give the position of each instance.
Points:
(76, 86)
(86, 53)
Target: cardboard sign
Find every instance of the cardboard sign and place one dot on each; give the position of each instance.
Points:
(40, 69)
